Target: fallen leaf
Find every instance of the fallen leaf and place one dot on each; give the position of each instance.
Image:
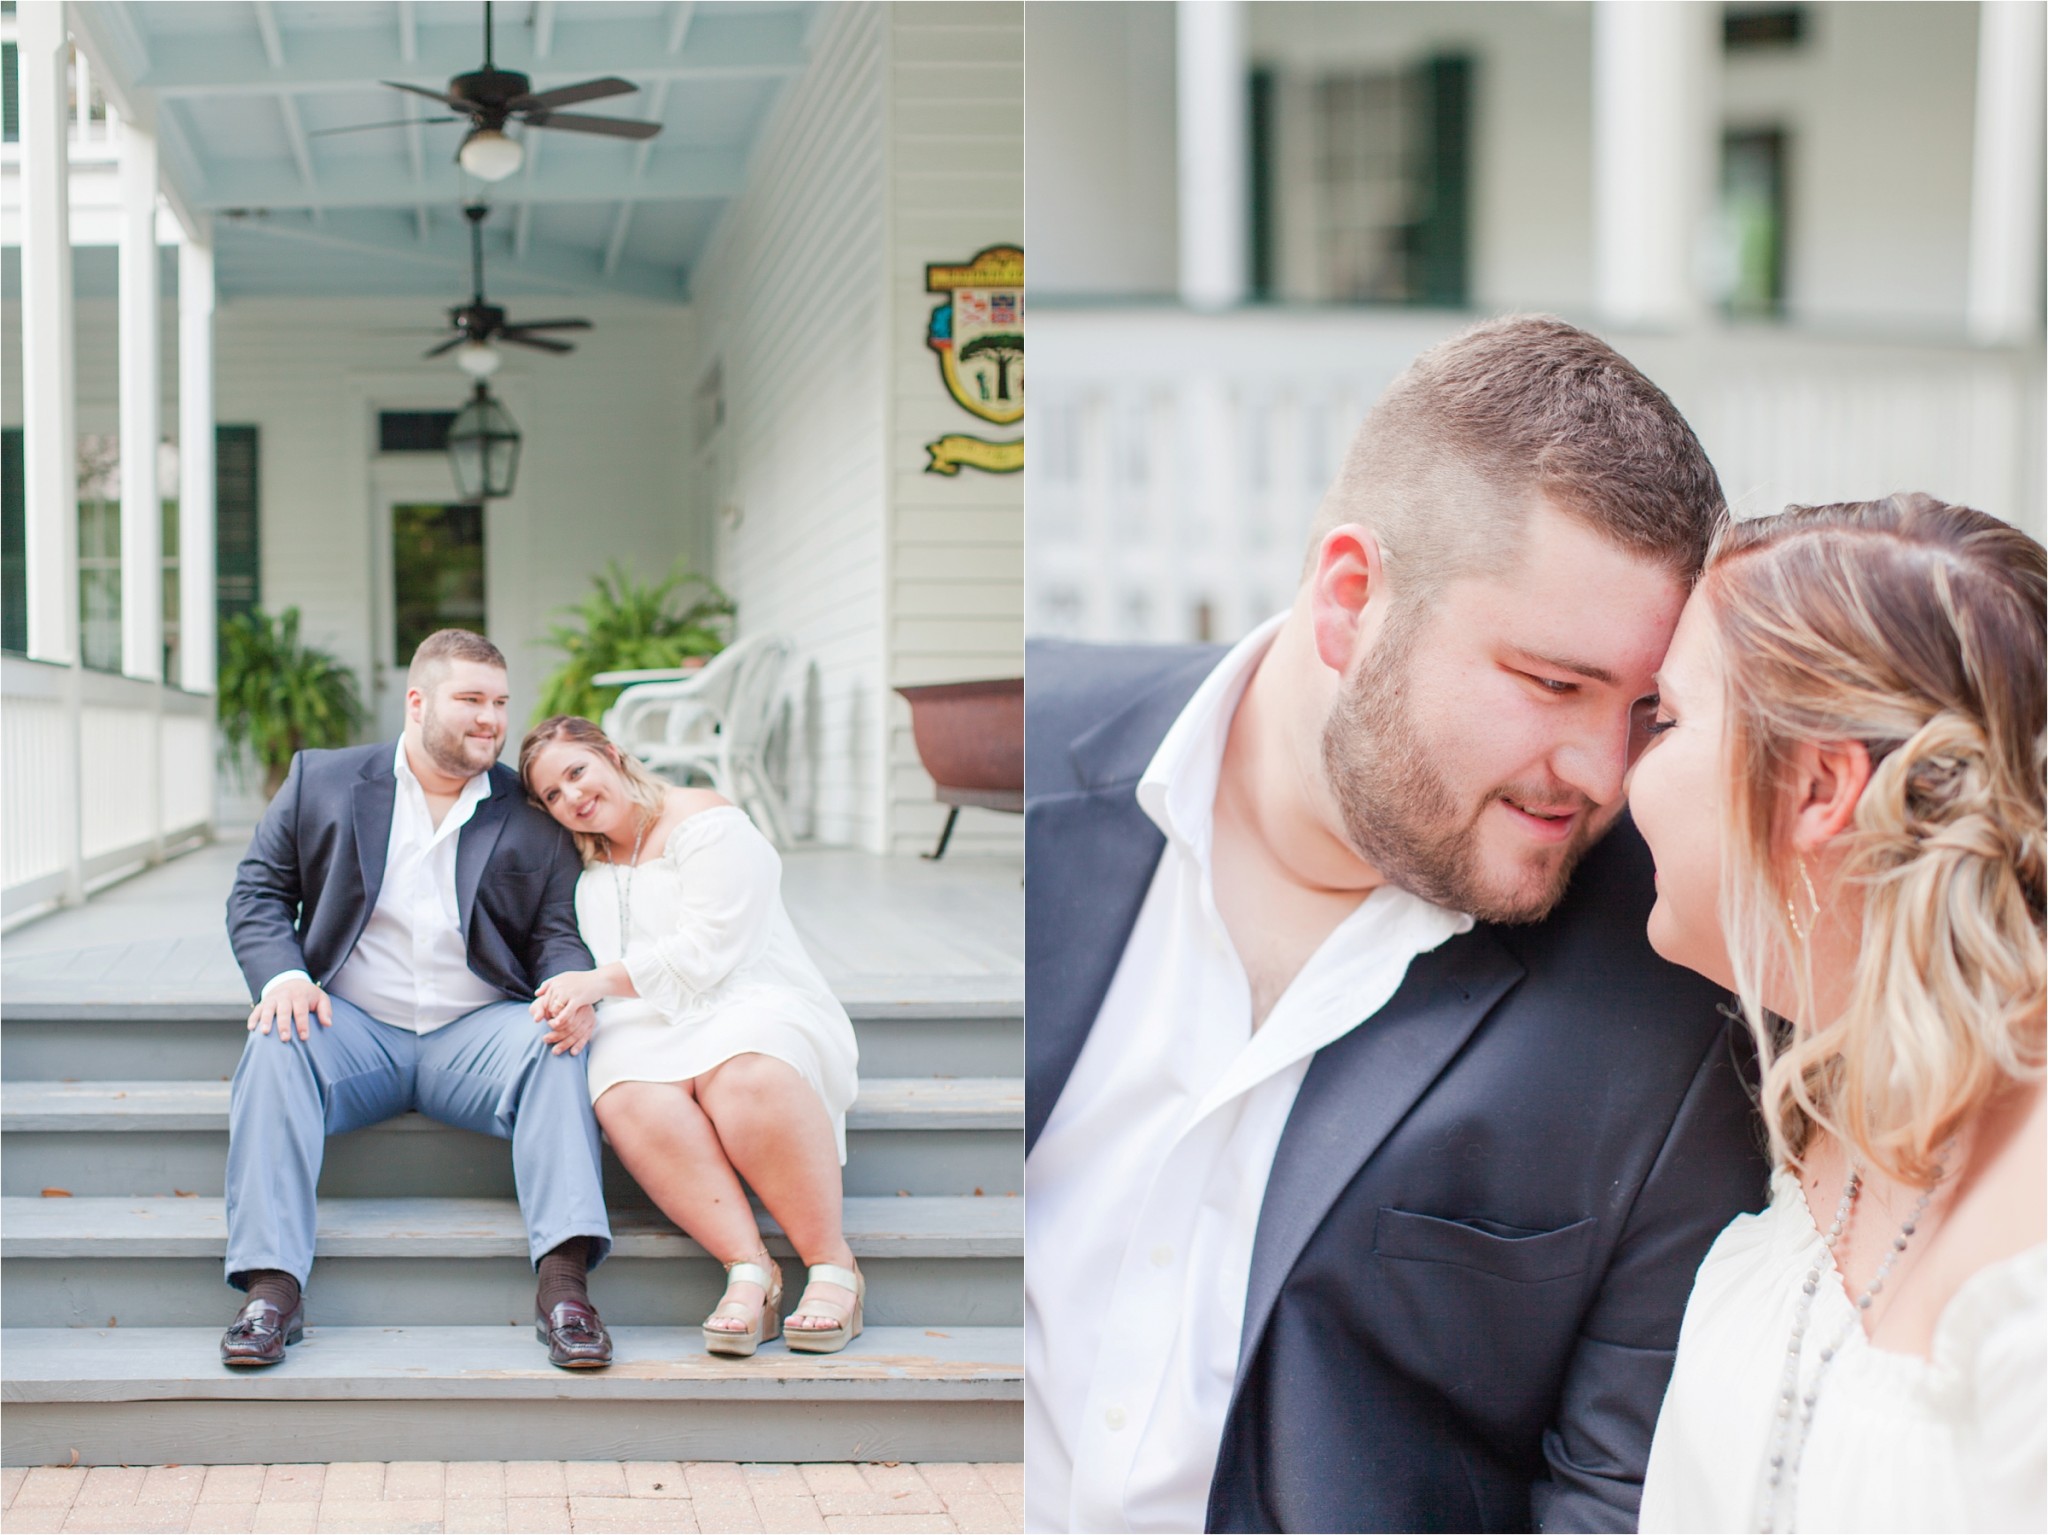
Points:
(977, 1193)
(113, 1321)
(184, 1193)
(893, 1463)
(930, 1334)
(120, 1095)
(903, 1193)
(74, 1457)
(56, 1193)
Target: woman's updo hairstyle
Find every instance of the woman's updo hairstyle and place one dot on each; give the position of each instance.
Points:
(642, 787)
(1916, 628)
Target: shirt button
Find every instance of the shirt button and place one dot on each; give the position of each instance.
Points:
(1115, 1419)
(1161, 1256)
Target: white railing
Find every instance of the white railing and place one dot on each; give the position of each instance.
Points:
(1178, 459)
(99, 774)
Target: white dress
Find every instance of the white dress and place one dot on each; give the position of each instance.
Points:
(1954, 1441)
(718, 965)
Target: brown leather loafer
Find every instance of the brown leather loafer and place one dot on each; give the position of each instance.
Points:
(576, 1339)
(259, 1334)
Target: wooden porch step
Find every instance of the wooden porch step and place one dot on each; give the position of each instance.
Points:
(933, 1260)
(928, 1227)
(488, 1393)
(117, 1107)
(60, 1027)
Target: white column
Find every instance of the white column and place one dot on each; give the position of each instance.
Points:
(48, 403)
(2005, 186)
(195, 462)
(1214, 137)
(142, 644)
(1656, 154)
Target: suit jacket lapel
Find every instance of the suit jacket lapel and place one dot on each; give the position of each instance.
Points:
(475, 843)
(1094, 852)
(1357, 1089)
(1104, 850)
(374, 796)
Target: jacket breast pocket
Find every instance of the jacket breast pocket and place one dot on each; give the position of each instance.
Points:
(1504, 1252)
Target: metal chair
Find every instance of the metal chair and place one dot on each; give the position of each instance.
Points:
(715, 721)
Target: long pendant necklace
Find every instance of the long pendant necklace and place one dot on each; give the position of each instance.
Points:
(624, 891)
(1794, 1408)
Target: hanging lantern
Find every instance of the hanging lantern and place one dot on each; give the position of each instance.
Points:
(483, 447)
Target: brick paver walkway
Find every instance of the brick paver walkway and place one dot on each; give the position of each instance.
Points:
(514, 1496)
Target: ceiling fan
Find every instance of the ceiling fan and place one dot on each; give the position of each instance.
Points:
(490, 97)
(478, 323)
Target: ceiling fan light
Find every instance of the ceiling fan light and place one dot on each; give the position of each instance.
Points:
(489, 155)
(479, 359)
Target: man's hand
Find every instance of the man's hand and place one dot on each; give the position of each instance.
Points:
(292, 1003)
(570, 1029)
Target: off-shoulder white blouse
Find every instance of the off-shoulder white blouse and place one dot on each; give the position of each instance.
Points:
(718, 965)
(1954, 1441)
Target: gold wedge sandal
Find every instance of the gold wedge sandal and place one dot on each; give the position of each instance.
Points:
(767, 1321)
(828, 1340)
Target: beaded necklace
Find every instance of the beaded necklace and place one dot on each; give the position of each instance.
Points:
(624, 892)
(1795, 1408)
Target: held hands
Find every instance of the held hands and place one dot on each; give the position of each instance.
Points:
(294, 1002)
(567, 1003)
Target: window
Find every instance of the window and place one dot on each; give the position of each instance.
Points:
(437, 564)
(1753, 203)
(1359, 184)
(99, 547)
(413, 431)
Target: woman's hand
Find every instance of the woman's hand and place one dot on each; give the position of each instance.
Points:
(572, 989)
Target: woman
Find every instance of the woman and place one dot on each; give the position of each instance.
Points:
(720, 1053)
(1858, 691)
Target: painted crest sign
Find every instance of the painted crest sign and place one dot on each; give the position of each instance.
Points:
(978, 334)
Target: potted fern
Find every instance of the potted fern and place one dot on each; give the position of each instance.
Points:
(629, 627)
(279, 696)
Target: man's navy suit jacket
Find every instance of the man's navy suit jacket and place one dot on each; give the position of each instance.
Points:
(306, 888)
(1490, 1199)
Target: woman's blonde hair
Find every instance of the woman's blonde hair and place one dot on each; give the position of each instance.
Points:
(642, 787)
(1916, 628)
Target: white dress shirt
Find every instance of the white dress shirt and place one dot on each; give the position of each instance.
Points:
(410, 968)
(1146, 1183)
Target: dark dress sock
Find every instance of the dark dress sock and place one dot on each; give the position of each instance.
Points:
(275, 1286)
(562, 1274)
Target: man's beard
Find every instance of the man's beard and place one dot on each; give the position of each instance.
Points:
(1403, 817)
(450, 750)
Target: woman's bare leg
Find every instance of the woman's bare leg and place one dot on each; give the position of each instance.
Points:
(778, 1136)
(662, 1135)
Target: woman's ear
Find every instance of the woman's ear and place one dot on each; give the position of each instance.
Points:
(1828, 778)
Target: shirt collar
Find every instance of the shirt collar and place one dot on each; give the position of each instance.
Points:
(477, 788)
(1178, 788)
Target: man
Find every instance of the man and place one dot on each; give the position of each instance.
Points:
(396, 912)
(1370, 1161)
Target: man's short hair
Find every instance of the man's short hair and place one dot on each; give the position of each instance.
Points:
(1449, 462)
(431, 660)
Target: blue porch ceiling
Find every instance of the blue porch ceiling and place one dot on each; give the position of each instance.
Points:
(241, 91)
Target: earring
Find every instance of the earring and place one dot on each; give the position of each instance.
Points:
(1806, 879)
(1791, 915)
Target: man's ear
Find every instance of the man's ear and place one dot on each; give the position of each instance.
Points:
(1348, 575)
(1828, 778)
(415, 704)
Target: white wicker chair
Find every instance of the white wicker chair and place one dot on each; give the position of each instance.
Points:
(713, 722)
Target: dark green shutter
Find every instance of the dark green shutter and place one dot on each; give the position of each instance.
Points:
(10, 94)
(1443, 233)
(237, 568)
(13, 542)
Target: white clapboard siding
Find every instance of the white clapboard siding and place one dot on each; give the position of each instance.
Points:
(601, 473)
(956, 545)
(788, 300)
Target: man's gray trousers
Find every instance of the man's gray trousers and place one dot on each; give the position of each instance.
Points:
(488, 1071)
